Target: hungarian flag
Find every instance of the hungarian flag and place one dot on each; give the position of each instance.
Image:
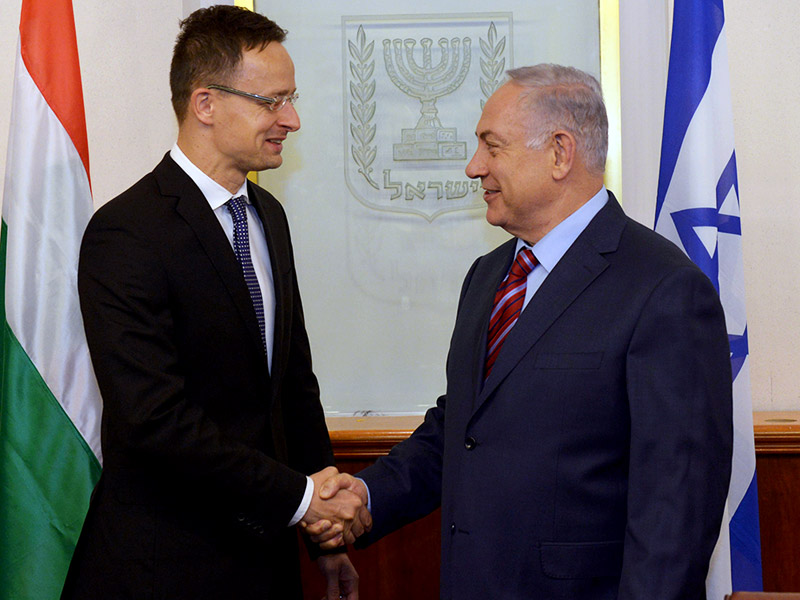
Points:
(49, 402)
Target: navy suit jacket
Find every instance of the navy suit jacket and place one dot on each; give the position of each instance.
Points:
(594, 461)
(204, 451)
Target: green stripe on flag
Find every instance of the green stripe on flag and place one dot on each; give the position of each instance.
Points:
(47, 473)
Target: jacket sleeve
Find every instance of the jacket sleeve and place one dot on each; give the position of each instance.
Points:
(680, 395)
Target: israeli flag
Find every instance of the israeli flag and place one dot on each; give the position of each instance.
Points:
(698, 209)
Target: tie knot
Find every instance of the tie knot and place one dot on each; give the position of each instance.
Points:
(523, 264)
(236, 206)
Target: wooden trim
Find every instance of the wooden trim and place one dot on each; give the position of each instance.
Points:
(365, 438)
(368, 438)
(777, 432)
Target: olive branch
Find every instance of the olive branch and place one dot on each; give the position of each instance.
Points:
(492, 63)
(362, 107)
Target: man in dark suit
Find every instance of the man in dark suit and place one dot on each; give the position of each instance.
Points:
(582, 452)
(213, 434)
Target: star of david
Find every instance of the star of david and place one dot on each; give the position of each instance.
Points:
(693, 225)
(698, 229)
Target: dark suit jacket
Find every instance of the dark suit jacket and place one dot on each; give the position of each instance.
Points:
(204, 451)
(594, 462)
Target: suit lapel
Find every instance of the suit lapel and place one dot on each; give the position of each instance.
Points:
(488, 275)
(194, 209)
(281, 266)
(583, 262)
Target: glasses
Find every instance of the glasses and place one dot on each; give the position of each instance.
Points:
(273, 104)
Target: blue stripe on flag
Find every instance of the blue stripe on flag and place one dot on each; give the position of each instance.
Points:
(746, 543)
(696, 27)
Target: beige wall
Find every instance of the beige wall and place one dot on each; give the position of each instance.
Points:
(765, 77)
(125, 56)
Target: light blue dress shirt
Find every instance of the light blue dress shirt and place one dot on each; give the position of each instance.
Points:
(549, 250)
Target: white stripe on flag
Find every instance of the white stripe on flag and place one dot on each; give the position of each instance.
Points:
(46, 205)
(718, 581)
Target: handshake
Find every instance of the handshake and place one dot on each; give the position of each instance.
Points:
(338, 511)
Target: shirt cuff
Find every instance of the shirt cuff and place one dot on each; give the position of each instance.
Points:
(369, 498)
(304, 503)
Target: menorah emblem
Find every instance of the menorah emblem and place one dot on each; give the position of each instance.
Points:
(428, 140)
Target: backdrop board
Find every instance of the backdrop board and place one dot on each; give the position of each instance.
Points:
(385, 223)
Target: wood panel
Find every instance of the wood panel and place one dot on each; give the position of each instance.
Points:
(405, 564)
(777, 437)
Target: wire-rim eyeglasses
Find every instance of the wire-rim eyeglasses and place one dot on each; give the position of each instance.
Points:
(273, 104)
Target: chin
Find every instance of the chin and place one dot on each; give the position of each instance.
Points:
(493, 219)
(271, 163)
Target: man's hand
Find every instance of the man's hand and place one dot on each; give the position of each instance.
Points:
(326, 533)
(341, 576)
(337, 518)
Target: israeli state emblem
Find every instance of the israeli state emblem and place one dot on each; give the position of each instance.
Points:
(414, 88)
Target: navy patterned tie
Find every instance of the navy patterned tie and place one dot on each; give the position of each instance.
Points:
(508, 302)
(241, 247)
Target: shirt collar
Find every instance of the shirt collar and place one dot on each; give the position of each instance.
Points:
(214, 193)
(549, 250)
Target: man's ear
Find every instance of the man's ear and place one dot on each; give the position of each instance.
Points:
(201, 105)
(564, 151)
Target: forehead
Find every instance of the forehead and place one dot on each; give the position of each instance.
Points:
(270, 70)
(503, 113)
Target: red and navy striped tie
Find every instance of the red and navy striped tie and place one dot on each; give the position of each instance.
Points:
(508, 305)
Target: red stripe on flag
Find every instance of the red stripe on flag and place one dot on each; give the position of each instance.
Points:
(50, 51)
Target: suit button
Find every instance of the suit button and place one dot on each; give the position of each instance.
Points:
(470, 443)
(453, 528)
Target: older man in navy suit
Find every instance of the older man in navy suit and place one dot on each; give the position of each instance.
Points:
(582, 449)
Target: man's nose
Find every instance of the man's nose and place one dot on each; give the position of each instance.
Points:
(476, 166)
(289, 117)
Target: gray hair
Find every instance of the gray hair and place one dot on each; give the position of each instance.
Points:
(565, 98)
